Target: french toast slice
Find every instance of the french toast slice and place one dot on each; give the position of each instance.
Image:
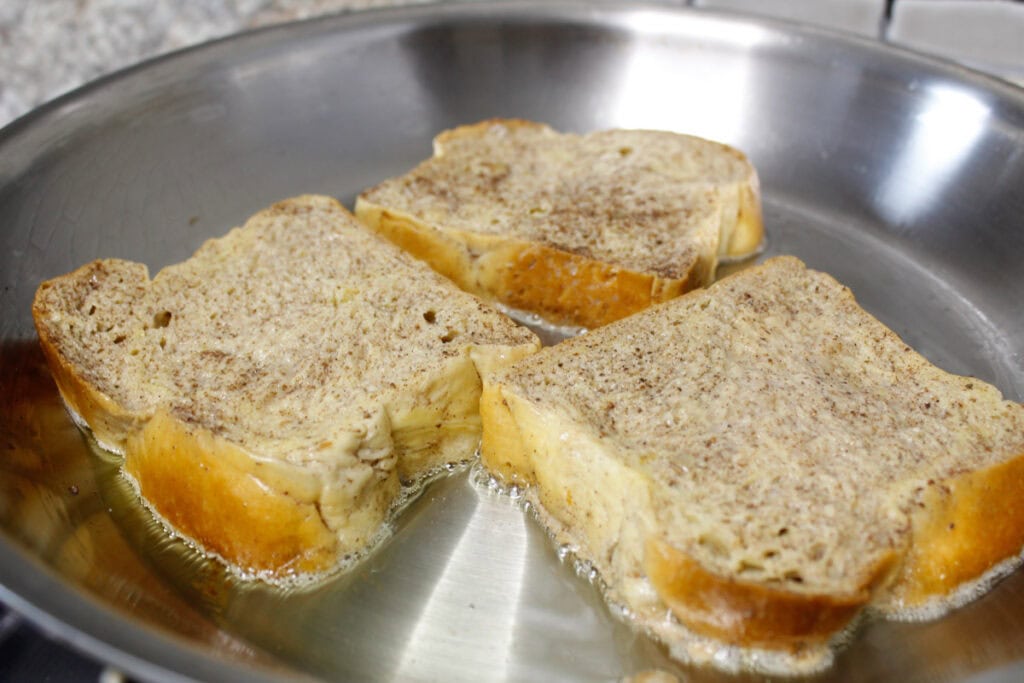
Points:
(579, 230)
(754, 463)
(272, 394)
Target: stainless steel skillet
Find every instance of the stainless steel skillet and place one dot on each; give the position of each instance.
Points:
(900, 175)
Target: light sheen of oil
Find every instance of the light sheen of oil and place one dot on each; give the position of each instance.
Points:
(684, 646)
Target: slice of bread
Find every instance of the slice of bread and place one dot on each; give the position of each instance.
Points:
(580, 230)
(273, 393)
(762, 459)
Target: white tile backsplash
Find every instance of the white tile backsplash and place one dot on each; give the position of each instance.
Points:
(988, 34)
(858, 16)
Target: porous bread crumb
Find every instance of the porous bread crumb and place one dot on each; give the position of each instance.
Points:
(655, 205)
(344, 324)
(627, 197)
(767, 428)
(301, 339)
(779, 422)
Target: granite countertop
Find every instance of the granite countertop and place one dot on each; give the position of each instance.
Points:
(48, 47)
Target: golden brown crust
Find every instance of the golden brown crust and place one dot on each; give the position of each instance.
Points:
(561, 287)
(203, 486)
(214, 493)
(965, 527)
(913, 526)
(293, 491)
(535, 273)
(747, 613)
(441, 252)
(569, 289)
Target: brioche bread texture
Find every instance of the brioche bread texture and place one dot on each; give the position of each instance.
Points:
(580, 230)
(272, 393)
(762, 458)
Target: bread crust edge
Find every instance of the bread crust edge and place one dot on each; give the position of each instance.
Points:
(745, 614)
(119, 430)
(263, 516)
(108, 421)
(213, 492)
(561, 287)
(750, 614)
(965, 527)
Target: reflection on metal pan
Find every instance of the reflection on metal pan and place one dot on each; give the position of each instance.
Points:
(899, 175)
